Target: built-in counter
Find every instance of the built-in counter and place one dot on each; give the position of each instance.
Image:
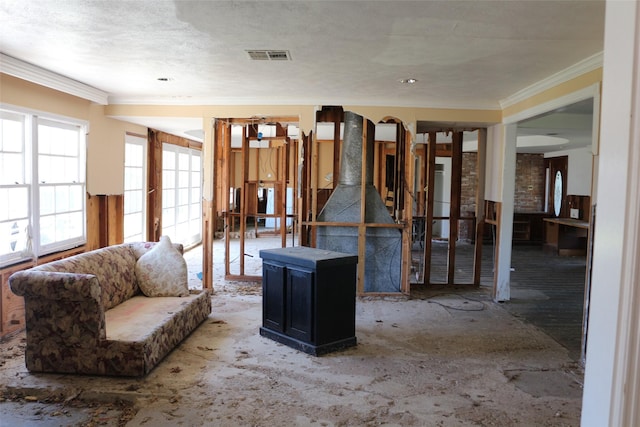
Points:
(566, 236)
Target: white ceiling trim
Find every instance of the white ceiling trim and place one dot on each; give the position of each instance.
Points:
(586, 65)
(222, 101)
(22, 70)
(592, 91)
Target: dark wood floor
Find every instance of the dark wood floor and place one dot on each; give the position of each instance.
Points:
(547, 290)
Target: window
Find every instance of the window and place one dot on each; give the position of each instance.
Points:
(181, 194)
(135, 201)
(42, 185)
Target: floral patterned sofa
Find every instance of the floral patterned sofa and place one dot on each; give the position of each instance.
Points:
(86, 314)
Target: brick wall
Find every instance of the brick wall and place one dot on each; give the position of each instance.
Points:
(529, 188)
(530, 176)
(468, 195)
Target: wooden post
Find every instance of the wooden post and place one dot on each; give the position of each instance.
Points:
(226, 161)
(409, 171)
(314, 186)
(305, 186)
(362, 227)
(480, 190)
(454, 215)
(337, 119)
(283, 194)
(209, 206)
(243, 197)
(430, 161)
(154, 185)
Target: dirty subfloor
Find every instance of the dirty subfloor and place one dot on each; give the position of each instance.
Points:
(441, 358)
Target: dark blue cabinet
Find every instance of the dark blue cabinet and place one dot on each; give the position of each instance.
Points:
(309, 298)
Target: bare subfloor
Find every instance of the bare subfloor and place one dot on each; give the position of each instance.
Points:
(442, 358)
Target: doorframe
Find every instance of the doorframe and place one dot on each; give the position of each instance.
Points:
(502, 276)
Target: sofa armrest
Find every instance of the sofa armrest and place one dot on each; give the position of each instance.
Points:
(56, 285)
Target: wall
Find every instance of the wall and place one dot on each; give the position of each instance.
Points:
(105, 152)
(611, 392)
(530, 183)
(29, 95)
(466, 230)
(494, 165)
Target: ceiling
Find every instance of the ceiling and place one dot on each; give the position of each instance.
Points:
(463, 54)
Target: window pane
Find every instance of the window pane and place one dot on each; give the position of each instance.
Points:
(195, 211)
(71, 145)
(71, 170)
(168, 160)
(47, 230)
(183, 214)
(168, 217)
(195, 195)
(11, 132)
(182, 230)
(62, 198)
(13, 236)
(76, 224)
(195, 162)
(44, 169)
(11, 169)
(183, 197)
(128, 174)
(183, 179)
(168, 198)
(18, 202)
(195, 226)
(195, 179)
(47, 200)
(134, 155)
(4, 204)
(183, 161)
(76, 197)
(168, 179)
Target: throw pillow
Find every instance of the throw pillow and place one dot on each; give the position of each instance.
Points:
(162, 272)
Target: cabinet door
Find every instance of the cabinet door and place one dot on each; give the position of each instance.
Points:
(299, 305)
(273, 296)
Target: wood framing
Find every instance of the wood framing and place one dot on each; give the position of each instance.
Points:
(249, 172)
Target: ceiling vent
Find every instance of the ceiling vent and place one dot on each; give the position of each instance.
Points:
(269, 55)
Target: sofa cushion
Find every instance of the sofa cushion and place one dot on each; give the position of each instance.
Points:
(162, 272)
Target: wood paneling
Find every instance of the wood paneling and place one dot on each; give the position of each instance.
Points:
(12, 305)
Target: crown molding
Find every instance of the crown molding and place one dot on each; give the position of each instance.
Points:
(586, 65)
(22, 70)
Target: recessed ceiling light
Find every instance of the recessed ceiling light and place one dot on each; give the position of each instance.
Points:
(409, 81)
(164, 79)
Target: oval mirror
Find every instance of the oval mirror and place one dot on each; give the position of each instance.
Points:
(557, 194)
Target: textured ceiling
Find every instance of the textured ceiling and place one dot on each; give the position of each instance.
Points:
(462, 53)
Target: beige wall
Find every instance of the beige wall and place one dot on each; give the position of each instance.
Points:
(24, 94)
(105, 152)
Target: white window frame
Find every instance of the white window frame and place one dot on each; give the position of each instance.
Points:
(193, 207)
(129, 211)
(31, 245)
